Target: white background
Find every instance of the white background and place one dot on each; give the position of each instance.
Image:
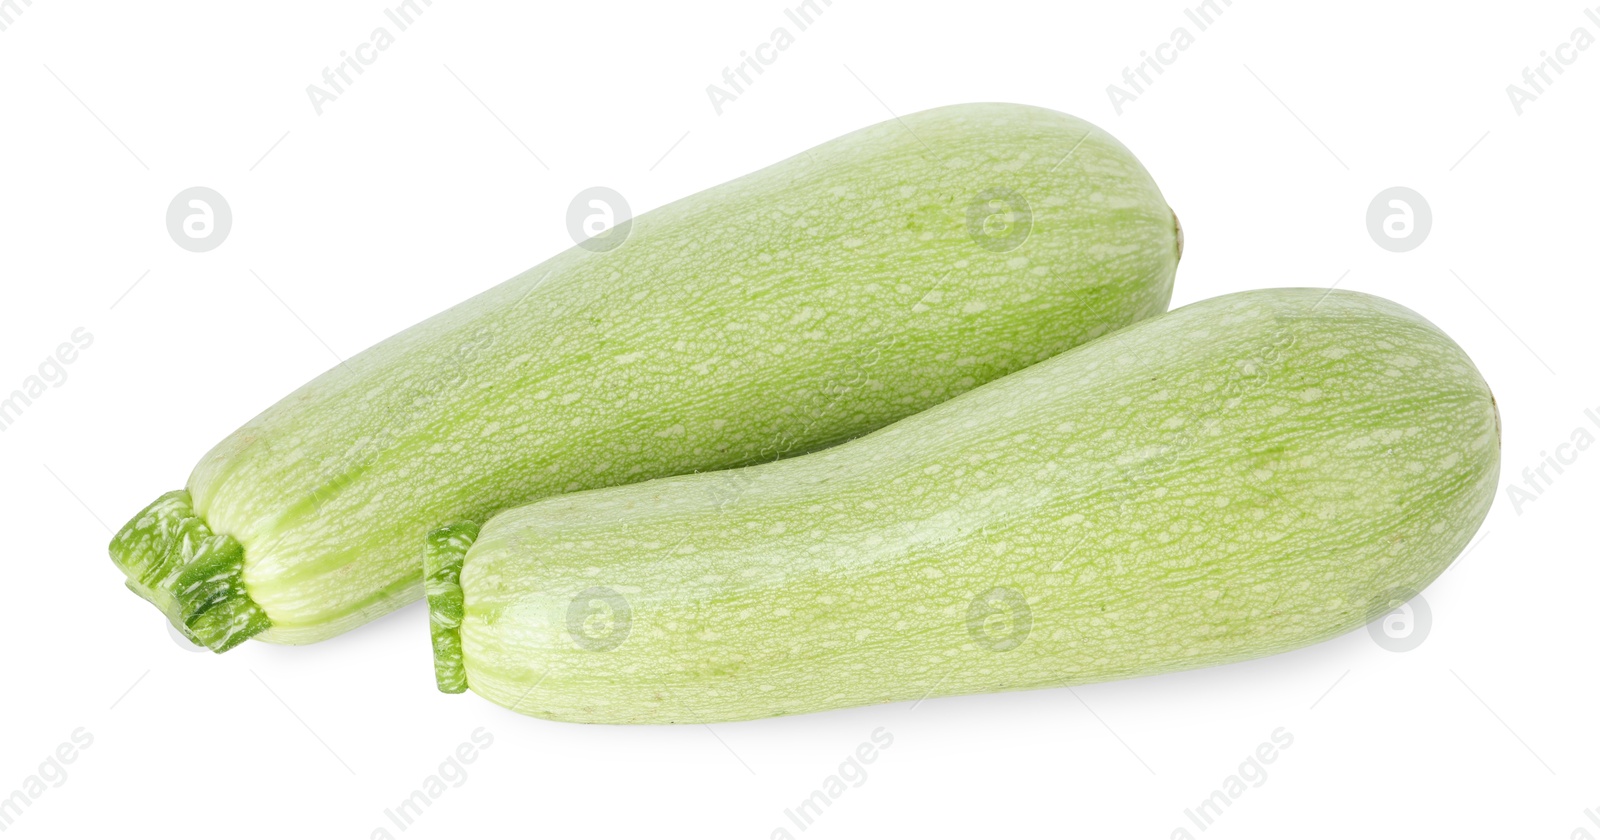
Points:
(448, 167)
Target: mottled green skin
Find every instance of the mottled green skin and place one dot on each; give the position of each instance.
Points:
(798, 306)
(1240, 477)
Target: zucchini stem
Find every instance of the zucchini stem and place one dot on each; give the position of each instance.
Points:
(196, 577)
(441, 565)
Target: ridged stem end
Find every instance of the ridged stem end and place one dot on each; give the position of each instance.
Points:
(196, 577)
(441, 564)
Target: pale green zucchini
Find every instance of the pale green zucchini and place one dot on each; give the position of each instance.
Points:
(1240, 477)
(801, 305)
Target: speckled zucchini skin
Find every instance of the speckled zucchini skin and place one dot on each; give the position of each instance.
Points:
(804, 304)
(1240, 477)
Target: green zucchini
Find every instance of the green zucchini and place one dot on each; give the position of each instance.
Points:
(801, 305)
(1240, 477)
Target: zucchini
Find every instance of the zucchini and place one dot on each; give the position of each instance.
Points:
(796, 307)
(1240, 477)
